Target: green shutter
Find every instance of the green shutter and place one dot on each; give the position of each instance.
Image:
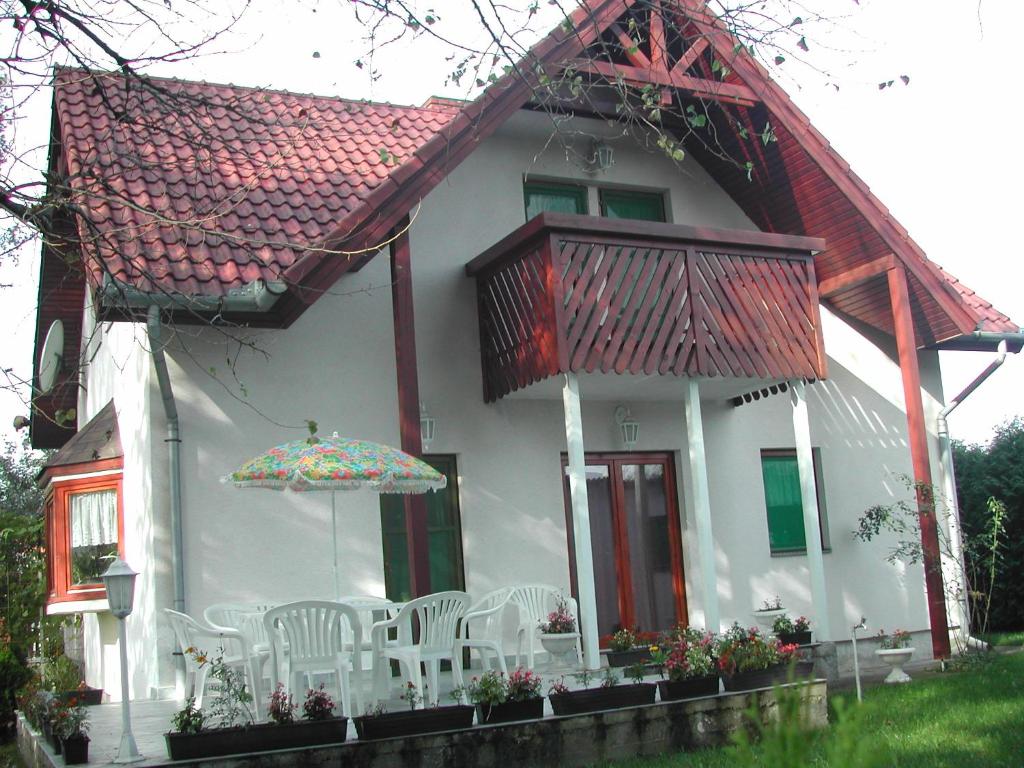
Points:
(784, 503)
(645, 206)
(444, 531)
(554, 198)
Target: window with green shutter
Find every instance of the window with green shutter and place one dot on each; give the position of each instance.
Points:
(444, 530)
(623, 204)
(784, 503)
(554, 198)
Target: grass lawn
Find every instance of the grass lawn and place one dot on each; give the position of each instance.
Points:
(969, 718)
(1005, 638)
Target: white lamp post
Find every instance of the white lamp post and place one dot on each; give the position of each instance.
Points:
(119, 579)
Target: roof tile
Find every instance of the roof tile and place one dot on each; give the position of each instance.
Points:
(245, 181)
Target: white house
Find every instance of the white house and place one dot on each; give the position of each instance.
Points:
(249, 264)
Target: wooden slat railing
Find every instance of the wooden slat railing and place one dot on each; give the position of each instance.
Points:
(574, 293)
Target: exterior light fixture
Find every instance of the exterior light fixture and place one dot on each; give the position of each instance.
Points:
(602, 156)
(119, 580)
(629, 427)
(427, 425)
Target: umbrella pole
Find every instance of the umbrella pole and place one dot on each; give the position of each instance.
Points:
(334, 541)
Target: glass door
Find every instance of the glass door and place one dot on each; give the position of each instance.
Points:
(636, 541)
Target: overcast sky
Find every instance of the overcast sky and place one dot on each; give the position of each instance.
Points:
(940, 153)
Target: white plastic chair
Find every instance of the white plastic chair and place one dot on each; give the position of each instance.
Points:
(438, 617)
(535, 602)
(229, 643)
(482, 628)
(316, 636)
(246, 618)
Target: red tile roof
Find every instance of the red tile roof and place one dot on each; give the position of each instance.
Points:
(201, 201)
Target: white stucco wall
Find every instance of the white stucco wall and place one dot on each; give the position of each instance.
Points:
(336, 365)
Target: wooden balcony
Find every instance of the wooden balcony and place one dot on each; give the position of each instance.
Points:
(567, 293)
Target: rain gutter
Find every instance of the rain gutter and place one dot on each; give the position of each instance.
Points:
(946, 459)
(257, 296)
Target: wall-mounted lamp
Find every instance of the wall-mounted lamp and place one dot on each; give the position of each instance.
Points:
(602, 156)
(628, 426)
(427, 425)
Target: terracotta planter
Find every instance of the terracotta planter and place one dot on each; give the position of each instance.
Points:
(510, 711)
(760, 678)
(800, 638)
(256, 738)
(896, 658)
(413, 722)
(76, 750)
(598, 699)
(695, 687)
(628, 658)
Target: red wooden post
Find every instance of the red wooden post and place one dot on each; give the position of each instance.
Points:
(409, 406)
(906, 346)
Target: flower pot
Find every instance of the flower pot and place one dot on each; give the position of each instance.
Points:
(256, 738)
(510, 711)
(799, 638)
(414, 721)
(76, 750)
(767, 619)
(896, 658)
(51, 737)
(598, 699)
(559, 646)
(628, 658)
(691, 688)
(758, 678)
(90, 697)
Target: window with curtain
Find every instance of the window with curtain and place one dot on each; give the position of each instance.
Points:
(93, 518)
(784, 502)
(83, 530)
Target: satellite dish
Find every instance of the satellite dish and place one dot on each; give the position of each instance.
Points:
(51, 357)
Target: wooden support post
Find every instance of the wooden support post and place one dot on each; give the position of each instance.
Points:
(809, 501)
(702, 504)
(580, 502)
(415, 505)
(906, 345)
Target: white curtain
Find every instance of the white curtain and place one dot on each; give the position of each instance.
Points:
(94, 518)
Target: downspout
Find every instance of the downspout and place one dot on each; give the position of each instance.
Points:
(946, 458)
(173, 441)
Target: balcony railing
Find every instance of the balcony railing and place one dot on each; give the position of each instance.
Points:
(568, 293)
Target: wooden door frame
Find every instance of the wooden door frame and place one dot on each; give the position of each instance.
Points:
(614, 460)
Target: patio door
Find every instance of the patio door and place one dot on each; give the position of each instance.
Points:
(635, 536)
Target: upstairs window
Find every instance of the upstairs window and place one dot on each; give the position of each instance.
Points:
(784, 502)
(554, 198)
(623, 204)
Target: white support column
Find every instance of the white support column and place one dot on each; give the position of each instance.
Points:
(581, 521)
(809, 499)
(702, 504)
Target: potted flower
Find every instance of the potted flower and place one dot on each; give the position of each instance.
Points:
(378, 723)
(627, 647)
(71, 725)
(609, 695)
(501, 699)
(769, 611)
(895, 651)
(65, 679)
(749, 660)
(558, 634)
(688, 659)
(791, 631)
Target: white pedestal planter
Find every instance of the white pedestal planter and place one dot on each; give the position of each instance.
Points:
(560, 646)
(896, 658)
(766, 619)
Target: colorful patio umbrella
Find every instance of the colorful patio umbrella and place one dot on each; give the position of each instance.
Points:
(337, 463)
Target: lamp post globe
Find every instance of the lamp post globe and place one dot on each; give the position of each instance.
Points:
(119, 580)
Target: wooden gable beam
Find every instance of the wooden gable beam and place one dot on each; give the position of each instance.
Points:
(687, 59)
(630, 48)
(851, 278)
(731, 93)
